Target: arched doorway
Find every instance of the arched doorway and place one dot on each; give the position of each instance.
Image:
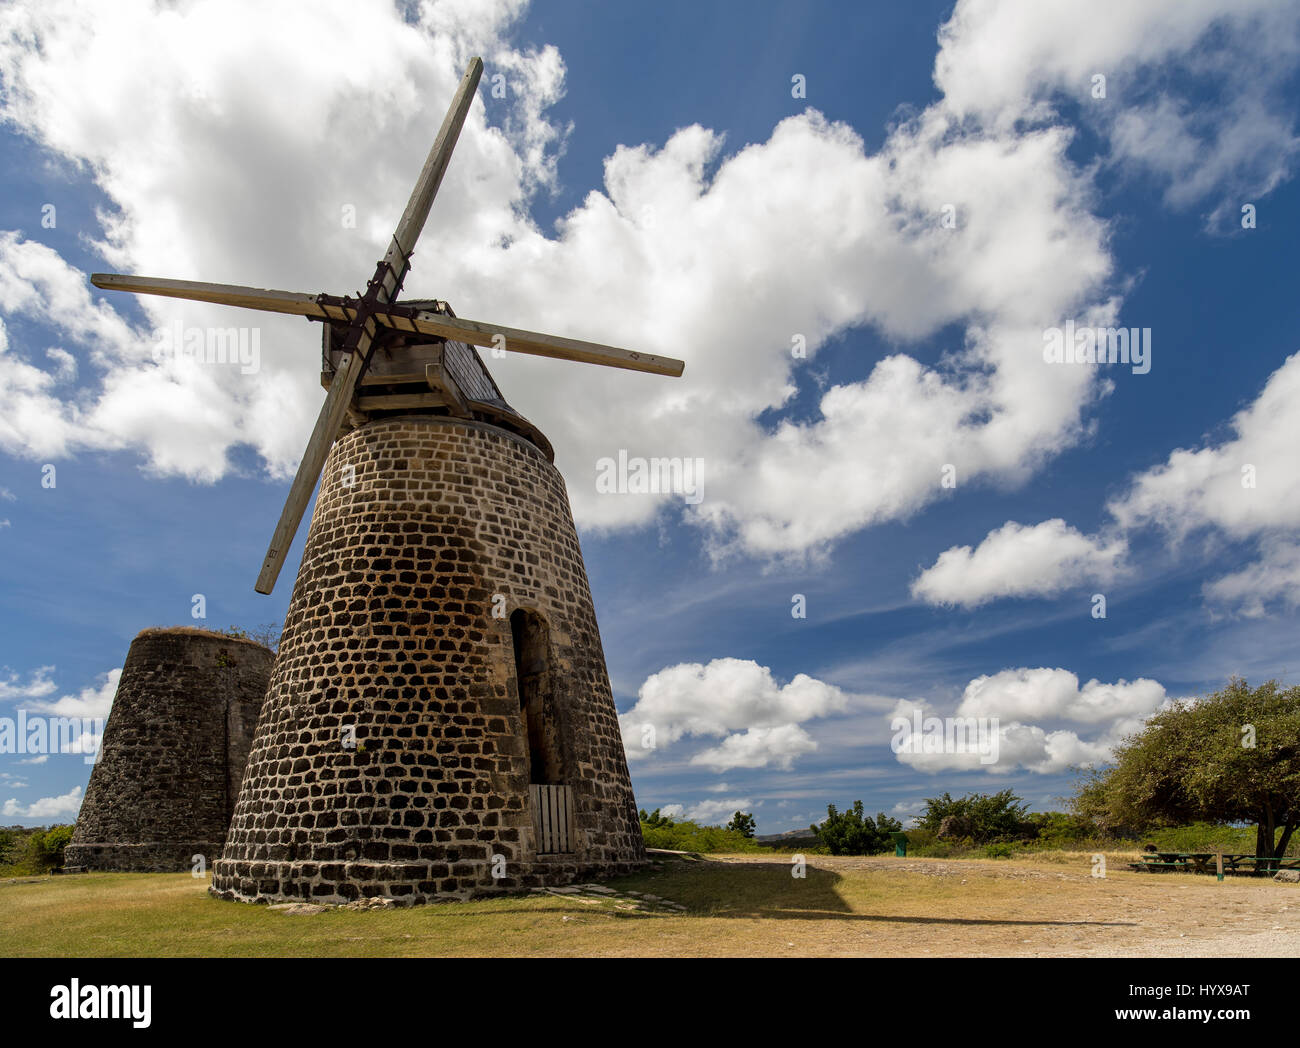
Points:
(550, 795)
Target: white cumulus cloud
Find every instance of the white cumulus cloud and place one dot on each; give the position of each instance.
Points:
(758, 748)
(736, 699)
(825, 234)
(1052, 694)
(47, 807)
(209, 176)
(1076, 725)
(1019, 561)
(1272, 580)
(1003, 58)
(92, 702)
(1245, 487)
(37, 685)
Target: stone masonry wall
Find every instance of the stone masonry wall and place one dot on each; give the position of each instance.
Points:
(173, 753)
(391, 757)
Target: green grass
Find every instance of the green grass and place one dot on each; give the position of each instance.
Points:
(1206, 837)
(172, 915)
(737, 906)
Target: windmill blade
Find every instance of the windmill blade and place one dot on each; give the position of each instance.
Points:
(516, 340)
(398, 256)
(388, 276)
(293, 303)
(322, 437)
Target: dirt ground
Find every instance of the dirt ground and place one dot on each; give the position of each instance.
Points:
(1049, 909)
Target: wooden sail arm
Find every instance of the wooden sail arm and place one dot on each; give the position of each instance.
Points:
(517, 340)
(293, 303)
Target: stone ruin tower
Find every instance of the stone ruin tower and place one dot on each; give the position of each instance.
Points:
(440, 721)
(173, 753)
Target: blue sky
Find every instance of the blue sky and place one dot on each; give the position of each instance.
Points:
(650, 180)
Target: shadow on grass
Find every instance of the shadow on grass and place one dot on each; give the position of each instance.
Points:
(766, 890)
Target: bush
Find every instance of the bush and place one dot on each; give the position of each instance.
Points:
(1057, 829)
(44, 850)
(56, 839)
(920, 837)
(983, 817)
(654, 819)
(659, 831)
(854, 833)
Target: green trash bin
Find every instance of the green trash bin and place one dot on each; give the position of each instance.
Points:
(900, 843)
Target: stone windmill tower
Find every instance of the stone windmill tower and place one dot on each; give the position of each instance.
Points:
(175, 746)
(440, 721)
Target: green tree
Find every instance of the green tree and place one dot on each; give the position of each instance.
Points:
(984, 816)
(852, 832)
(1233, 756)
(654, 819)
(742, 823)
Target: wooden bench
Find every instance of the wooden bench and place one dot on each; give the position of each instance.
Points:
(1205, 862)
(1185, 862)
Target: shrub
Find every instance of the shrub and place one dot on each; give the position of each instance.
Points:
(852, 832)
(983, 817)
(659, 831)
(56, 839)
(1054, 828)
(44, 851)
(922, 842)
(919, 837)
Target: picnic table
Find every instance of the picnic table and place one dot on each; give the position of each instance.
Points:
(1252, 863)
(1177, 862)
(1206, 862)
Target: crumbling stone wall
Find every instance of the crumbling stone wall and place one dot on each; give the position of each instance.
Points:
(391, 758)
(173, 753)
